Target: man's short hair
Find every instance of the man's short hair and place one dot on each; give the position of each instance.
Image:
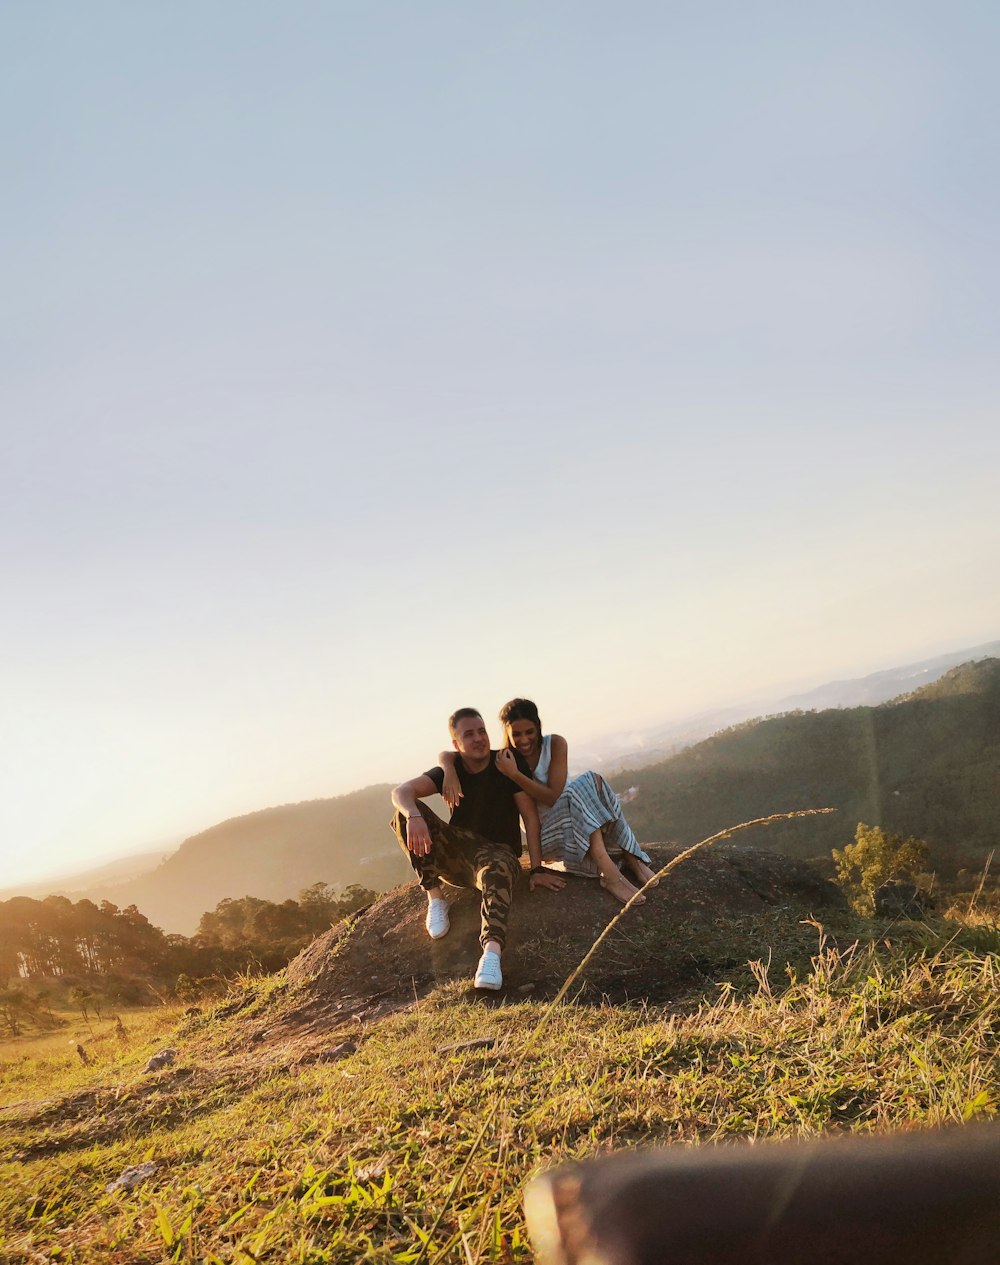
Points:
(463, 713)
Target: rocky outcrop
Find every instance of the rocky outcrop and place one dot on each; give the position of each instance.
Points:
(717, 910)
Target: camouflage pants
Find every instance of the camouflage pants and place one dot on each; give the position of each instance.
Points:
(465, 859)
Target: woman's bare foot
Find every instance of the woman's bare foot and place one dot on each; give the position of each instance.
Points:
(639, 870)
(620, 888)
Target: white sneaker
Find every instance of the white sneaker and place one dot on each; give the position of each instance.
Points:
(488, 973)
(437, 921)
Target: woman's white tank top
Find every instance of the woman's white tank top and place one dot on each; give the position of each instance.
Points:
(542, 769)
(544, 760)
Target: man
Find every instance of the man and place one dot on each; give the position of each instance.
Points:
(481, 845)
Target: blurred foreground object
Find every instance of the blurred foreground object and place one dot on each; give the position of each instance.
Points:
(921, 1198)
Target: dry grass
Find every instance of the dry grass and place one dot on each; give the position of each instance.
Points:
(403, 1152)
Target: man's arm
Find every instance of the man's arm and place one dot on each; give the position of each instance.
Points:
(533, 834)
(405, 797)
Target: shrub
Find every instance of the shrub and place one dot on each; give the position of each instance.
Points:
(873, 859)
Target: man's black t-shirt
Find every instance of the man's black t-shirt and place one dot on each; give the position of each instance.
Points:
(487, 805)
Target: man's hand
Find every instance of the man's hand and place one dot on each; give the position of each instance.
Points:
(406, 799)
(418, 837)
(451, 791)
(506, 763)
(552, 882)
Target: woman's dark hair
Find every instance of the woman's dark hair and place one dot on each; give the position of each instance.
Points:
(520, 709)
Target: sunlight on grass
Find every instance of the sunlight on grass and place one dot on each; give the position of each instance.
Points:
(403, 1152)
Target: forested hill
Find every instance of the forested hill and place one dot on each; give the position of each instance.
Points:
(926, 764)
(272, 854)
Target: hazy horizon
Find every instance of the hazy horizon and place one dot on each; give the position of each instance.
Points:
(364, 362)
(603, 742)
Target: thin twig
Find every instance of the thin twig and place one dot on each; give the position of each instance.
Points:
(979, 888)
(681, 856)
(426, 1246)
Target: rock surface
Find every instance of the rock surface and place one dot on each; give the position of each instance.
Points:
(718, 909)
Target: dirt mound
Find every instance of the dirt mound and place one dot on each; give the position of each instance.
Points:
(714, 912)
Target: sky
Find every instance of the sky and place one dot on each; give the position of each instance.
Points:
(362, 360)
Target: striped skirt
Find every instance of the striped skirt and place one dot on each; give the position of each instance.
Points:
(584, 806)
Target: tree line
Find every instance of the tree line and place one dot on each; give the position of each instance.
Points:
(79, 948)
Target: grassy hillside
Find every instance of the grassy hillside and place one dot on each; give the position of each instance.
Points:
(927, 764)
(405, 1138)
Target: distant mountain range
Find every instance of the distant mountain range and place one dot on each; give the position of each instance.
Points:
(120, 870)
(926, 764)
(272, 854)
(636, 749)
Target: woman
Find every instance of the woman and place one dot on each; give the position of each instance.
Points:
(581, 819)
